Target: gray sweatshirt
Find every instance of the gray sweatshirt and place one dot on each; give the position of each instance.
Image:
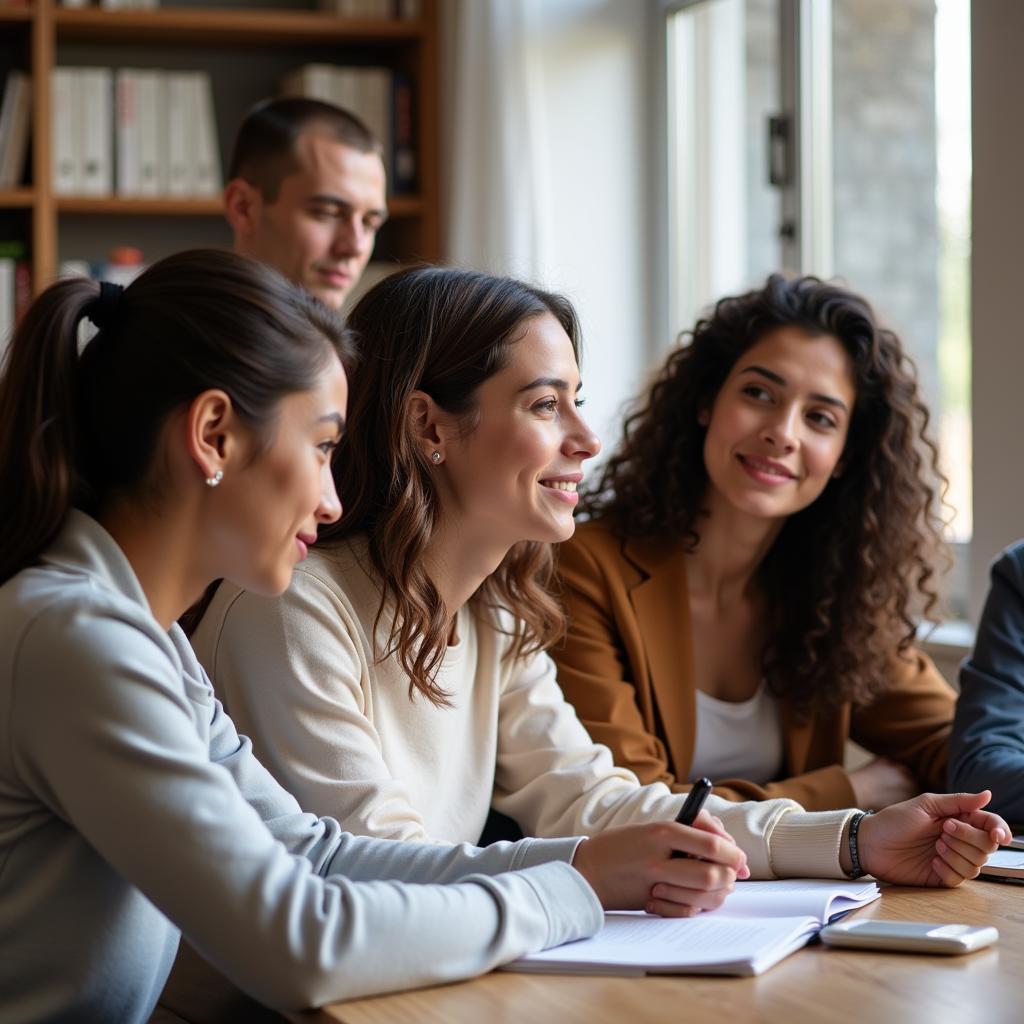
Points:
(130, 808)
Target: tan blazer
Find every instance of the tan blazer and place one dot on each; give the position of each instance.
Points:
(627, 666)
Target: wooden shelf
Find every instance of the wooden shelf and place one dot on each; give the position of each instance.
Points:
(16, 14)
(17, 198)
(222, 40)
(229, 27)
(405, 206)
(145, 206)
(399, 207)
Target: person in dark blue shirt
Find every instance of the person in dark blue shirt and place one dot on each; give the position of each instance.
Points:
(987, 747)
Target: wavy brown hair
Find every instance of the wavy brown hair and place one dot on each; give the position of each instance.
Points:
(443, 332)
(846, 575)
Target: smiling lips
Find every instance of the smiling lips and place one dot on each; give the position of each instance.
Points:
(562, 488)
(766, 471)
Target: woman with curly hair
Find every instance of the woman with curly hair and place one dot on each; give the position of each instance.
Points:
(401, 681)
(742, 601)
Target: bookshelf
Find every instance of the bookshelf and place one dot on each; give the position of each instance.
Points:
(246, 47)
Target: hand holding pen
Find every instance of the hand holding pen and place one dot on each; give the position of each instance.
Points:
(670, 868)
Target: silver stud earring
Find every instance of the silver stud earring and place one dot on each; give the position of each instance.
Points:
(435, 458)
(212, 481)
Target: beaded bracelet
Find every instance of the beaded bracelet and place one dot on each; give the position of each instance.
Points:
(855, 869)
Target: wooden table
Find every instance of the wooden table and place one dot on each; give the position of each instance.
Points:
(816, 984)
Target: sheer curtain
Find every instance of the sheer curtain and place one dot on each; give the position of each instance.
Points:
(497, 196)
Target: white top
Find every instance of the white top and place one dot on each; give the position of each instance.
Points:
(301, 675)
(737, 739)
(126, 795)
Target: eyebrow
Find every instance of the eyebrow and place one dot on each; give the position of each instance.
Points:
(550, 382)
(818, 397)
(336, 418)
(326, 199)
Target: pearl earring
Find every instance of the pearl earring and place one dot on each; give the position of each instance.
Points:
(212, 481)
(435, 458)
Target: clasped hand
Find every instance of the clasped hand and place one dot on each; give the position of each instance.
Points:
(936, 839)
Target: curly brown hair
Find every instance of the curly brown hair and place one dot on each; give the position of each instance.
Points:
(444, 332)
(846, 575)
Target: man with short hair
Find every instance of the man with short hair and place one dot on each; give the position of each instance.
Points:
(307, 193)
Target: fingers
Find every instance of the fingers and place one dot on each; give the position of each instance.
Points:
(694, 886)
(718, 828)
(674, 901)
(975, 844)
(944, 874)
(711, 823)
(707, 846)
(957, 855)
(990, 823)
(951, 805)
(963, 849)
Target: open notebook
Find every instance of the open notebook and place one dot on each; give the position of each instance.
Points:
(758, 925)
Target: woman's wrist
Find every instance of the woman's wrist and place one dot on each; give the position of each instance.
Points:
(855, 844)
(851, 854)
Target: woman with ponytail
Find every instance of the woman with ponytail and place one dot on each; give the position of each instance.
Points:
(192, 440)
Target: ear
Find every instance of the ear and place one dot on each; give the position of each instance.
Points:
(212, 433)
(839, 470)
(243, 206)
(704, 416)
(429, 426)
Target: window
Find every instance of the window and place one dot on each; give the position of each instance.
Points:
(833, 138)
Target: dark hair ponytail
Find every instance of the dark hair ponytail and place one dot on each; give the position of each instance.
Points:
(37, 435)
(74, 430)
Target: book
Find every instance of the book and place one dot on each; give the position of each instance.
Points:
(151, 92)
(15, 120)
(92, 110)
(6, 303)
(181, 121)
(129, 179)
(15, 289)
(759, 924)
(206, 171)
(402, 171)
(1006, 865)
(65, 131)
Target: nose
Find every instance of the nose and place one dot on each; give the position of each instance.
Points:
(329, 508)
(780, 429)
(351, 237)
(581, 442)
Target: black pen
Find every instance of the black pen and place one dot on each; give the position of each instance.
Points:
(691, 807)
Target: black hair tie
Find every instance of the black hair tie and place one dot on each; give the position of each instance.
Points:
(102, 311)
